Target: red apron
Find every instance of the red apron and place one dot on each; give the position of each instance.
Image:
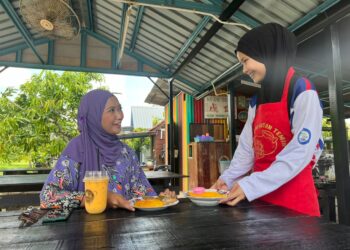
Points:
(272, 133)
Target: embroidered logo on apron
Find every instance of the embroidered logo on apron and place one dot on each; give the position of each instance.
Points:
(265, 144)
(266, 140)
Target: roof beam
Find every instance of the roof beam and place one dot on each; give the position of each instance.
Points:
(3, 69)
(83, 48)
(226, 14)
(21, 46)
(312, 14)
(139, 15)
(21, 28)
(239, 16)
(307, 18)
(51, 52)
(213, 2)
(19, 55)
(160, 89)
(189, 41)
(138, 57)
(321, 22)
(81, 69)
(90, 14)
(132, 54)
(180, 4)
(121, 34)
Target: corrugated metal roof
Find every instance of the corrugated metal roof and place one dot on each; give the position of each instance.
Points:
(142, 117)
(158, 39)
(156, 96)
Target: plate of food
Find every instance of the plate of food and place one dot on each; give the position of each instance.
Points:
(206, 197)
(155, 203)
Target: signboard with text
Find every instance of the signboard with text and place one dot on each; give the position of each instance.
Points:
(215, 107)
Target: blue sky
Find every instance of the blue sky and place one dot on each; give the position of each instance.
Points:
(133, 90)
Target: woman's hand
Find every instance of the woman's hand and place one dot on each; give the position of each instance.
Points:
(168, 193)
(82, 203)
(117, 201)
(234, 196)
(219, 185)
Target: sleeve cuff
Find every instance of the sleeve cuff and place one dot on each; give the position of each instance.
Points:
(227, 180)
(247, 189)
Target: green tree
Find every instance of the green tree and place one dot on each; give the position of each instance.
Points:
(138, 144)
(156, 120)
(326, 128)
(39, 119)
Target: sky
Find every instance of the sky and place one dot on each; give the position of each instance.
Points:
(132, 90)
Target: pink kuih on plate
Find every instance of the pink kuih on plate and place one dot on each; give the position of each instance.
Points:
(198, 190)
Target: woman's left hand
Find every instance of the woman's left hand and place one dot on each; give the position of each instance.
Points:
(234, 196)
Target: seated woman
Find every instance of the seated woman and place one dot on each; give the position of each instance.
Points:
(96, 148)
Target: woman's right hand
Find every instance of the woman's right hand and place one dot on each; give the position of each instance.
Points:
(219, 185)
(118, 201)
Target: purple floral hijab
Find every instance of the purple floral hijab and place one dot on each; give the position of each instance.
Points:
(94, 146)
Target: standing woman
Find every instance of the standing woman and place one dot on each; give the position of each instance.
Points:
(281, 140)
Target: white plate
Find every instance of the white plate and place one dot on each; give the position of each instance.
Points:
(205, 201)
(173, 204)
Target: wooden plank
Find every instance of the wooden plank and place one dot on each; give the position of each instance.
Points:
(23, 171)
(193, 165)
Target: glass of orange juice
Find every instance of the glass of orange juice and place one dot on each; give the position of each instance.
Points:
(96, 188)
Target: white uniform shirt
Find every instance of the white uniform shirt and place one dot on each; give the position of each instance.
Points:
(306, 113)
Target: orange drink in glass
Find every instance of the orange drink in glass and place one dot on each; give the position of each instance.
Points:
(96, 188)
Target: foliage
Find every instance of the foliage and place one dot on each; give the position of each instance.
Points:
(327, 131)
(156, 120)
(138, 144)
(14, 165)
(38, 120)
(326, 124)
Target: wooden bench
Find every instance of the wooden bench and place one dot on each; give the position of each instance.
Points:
(20, 190)
(24, 171)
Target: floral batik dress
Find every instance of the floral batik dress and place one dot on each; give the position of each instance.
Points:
(63, 186)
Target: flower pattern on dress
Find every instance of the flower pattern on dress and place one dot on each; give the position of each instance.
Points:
(127, 177)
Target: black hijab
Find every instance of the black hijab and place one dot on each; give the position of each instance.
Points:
(275, 47)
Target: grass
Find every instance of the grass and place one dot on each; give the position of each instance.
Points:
(14, 165)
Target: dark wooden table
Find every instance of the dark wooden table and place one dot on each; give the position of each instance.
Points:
(184, 226)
